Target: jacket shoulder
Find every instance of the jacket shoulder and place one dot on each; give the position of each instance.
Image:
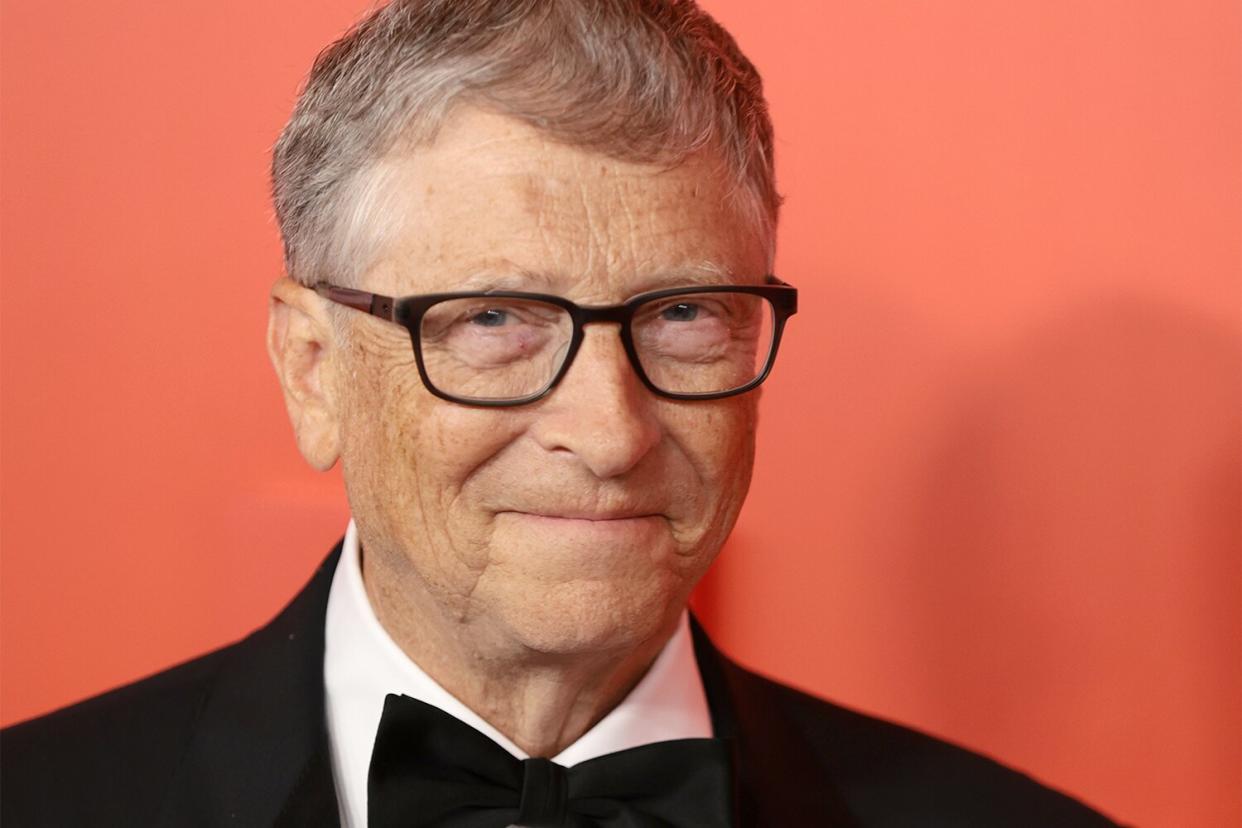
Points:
(106, 760)
(893, 775)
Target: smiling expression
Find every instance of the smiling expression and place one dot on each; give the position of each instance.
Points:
(583, 520)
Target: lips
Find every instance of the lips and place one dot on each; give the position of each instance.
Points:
(585, 514)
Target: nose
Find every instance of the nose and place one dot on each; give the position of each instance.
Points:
(600, 412)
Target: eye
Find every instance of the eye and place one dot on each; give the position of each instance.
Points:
(490, 318)
(681, 312)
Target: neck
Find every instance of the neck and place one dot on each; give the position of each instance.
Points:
(543, 702)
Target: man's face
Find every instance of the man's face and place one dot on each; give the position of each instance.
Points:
(582, 521)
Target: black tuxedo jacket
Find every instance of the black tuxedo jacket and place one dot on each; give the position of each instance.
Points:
(238, 737)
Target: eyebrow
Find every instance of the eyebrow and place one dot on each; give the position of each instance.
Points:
(503, 274)
(704, 273)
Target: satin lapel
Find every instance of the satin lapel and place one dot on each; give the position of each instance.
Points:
(780, 780)
(260, 746)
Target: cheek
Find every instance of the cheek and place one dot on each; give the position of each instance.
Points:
(395, 430)
(718, 440)
(454, 442)
(731, 428)
(420, 455)
(409, 468)
(378, 436)
(382, 404)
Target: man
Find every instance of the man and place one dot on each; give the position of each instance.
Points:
(529, 299)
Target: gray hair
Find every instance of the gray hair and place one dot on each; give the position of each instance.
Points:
(649, 81)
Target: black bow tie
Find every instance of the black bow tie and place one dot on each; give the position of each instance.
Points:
(431, 769)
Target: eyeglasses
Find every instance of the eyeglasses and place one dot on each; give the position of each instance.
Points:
(503, 348)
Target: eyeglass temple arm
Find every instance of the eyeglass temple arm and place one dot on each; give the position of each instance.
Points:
(372, 303)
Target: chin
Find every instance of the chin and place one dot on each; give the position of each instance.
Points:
(588, 617)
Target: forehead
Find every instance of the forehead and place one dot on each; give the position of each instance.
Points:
(494, 203)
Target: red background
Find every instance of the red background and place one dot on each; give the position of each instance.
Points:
(998, 486)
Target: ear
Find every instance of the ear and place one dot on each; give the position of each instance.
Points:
(301, 343)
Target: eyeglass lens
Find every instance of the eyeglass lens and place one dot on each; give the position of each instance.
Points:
(491, 348)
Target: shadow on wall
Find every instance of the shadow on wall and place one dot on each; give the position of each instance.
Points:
(1034, 552)
(1074, 543)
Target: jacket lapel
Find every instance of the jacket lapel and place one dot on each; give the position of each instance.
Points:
(260, 749)
(260, 753)
(781, 781)
(312, 802)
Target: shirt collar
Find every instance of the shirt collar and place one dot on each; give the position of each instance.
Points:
(362, 664)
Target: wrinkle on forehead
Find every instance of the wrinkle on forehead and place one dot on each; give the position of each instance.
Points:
(590, 223)
(627, 241)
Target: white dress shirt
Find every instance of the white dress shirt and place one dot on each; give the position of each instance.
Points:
(362, 664)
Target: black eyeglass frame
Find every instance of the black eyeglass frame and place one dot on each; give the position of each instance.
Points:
(408, 312)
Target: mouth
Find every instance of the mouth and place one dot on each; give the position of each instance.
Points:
(614, 523)
(586, 545)
(577, 516)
